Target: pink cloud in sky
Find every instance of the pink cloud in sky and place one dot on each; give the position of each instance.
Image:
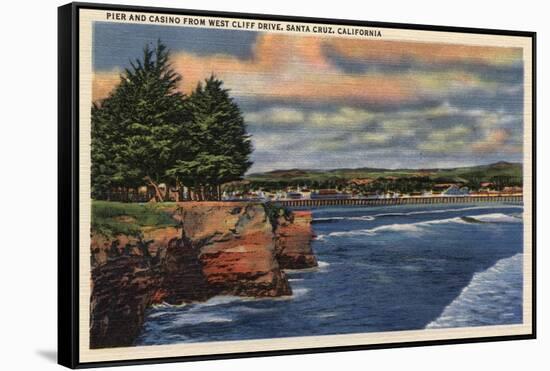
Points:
(287, 67)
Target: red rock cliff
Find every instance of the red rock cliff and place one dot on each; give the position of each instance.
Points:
(223, 248)
(293, 241)
(237, 248)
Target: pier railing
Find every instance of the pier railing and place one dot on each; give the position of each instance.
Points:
(515, 199)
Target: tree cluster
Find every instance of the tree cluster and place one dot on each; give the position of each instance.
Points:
(146, 132)
(405, 184)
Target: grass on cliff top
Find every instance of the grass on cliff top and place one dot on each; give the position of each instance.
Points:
(118, 218)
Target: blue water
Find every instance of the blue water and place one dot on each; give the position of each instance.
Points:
(381, 269)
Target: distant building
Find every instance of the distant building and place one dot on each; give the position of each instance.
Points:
(372, 195)
(440, 188)
(324, 194)
(294, 195)
(512, 190)
(444, 186)
(455, 190)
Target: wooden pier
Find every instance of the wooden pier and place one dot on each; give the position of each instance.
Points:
(509, 199)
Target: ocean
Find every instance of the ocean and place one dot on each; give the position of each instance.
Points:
(380, 269)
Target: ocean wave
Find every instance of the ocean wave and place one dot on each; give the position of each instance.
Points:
(327, 315)
(202, 312)
(320, 268)
(299, 292)
(250, 310)
(160, 310)
(197, 318)
(410, 213)
(421, 227)
(221, 300)
(495, 218)
(156, 326)
(493, 296)
(165, 305)
(336, 218)
(440, 211)
(417, 227)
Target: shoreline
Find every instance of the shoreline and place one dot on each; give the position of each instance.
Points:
(237, 249)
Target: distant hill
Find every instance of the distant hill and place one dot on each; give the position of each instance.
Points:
(459, 174)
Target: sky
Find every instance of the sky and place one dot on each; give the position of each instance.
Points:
(315, 102)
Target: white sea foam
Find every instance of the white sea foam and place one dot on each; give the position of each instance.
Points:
(196, 318)
(490, 297)
(496, 218)
(439, 211)
(164, 305)
(364, 217)
(419, 212)
(299, 292)
(320, 268)
(327, 315)
(216, 300)
(421, 227)
(219, 300)
(245, 309)
(415, 228)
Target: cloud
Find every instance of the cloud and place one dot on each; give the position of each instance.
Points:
(343, 117)
(495, 141)
(103, 83)
(297, 68)
(455, 132)
(430, 53)
(275, 141)
(279, 115)
(453, 139)
(443, 130)
(314, 102)
(373, 138)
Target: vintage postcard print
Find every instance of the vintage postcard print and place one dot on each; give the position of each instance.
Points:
(253, 185)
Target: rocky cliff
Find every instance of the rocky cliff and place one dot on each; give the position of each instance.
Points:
(293, 241)
(215, 248)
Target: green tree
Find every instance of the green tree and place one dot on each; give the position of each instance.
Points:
(220, 145)
(139, 127)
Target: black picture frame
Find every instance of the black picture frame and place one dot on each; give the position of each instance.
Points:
(68, 183)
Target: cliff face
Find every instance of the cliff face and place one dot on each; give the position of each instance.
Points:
(223, 248)
(293, 241)
(122, 290)
(238, 248)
